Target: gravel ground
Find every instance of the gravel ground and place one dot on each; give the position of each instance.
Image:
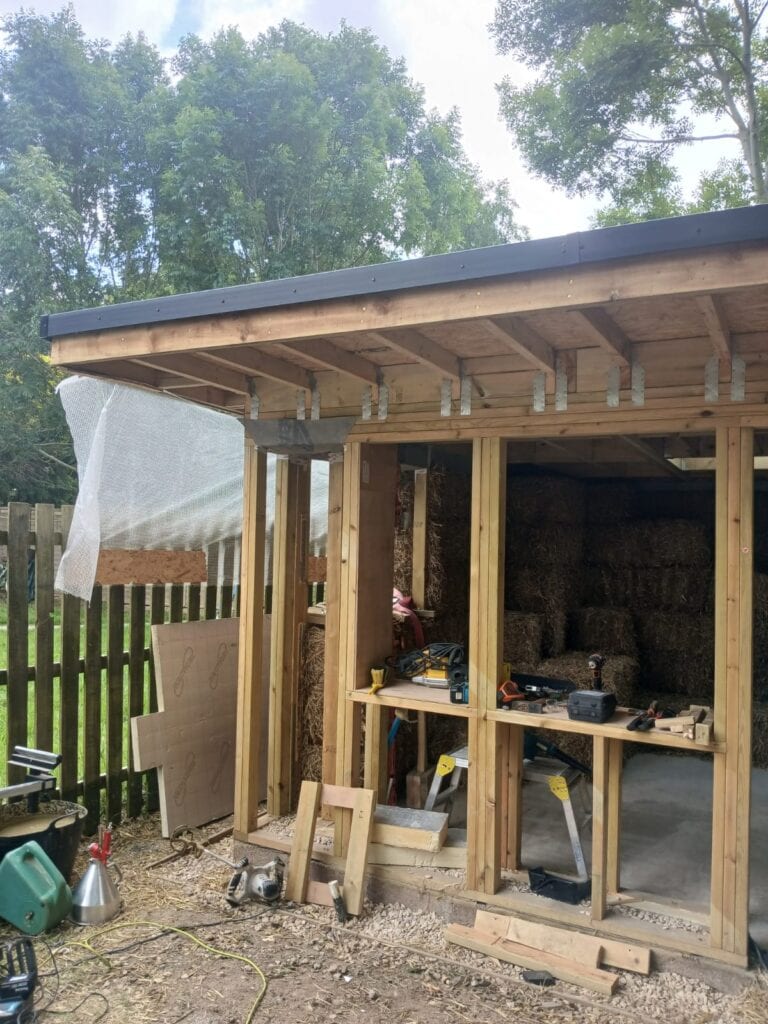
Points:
(392, 966)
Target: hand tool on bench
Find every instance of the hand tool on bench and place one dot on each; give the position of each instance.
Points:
(645, 720)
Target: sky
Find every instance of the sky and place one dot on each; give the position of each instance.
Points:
(445, 43)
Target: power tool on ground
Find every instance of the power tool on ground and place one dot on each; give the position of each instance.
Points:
(18, 980)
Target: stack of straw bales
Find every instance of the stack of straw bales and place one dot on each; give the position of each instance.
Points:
(310, 706)
(544, 552)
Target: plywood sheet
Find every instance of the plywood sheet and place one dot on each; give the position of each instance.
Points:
(143, 567)
(191, 738)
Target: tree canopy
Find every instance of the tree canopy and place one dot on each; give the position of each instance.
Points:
(125, 176)
(619, 85)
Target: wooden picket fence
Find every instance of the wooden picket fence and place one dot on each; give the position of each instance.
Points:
(77, 672)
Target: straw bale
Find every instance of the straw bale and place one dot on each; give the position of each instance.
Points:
(620, 673)
(543, 544)
(549, 499)
(669, 588)
(760, 637)
(523, 637)
(677, 652)
(760, 734)
(554, 587)
(448, 542)
(607, 630)
(609, 501)
(310, 698)
(651, 543)
(403, 573)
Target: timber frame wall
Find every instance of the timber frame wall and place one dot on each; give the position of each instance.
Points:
(625, 383)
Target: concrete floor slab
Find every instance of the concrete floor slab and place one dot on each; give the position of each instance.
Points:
(666, 833)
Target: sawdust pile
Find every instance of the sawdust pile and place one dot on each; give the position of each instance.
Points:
(310, 706)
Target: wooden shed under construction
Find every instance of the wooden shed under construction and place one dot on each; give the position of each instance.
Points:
(629, 352)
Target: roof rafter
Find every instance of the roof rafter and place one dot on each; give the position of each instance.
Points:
(718, 327)
(607, 333)
(333, 358)
(650, 453)
(250, 361)
(197, 369)
(425, 351)
(518, 336)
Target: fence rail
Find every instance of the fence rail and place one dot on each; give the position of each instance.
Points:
(74, 673)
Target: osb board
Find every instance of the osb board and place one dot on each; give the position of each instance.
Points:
(191, 738)
(126, 566)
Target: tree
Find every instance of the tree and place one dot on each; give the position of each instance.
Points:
(288, 154)
(621, 84)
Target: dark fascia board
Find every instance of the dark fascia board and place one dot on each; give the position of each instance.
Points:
(727, 227)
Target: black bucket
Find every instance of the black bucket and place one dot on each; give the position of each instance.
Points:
(56, 825)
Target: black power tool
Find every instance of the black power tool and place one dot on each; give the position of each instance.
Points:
(18, 981)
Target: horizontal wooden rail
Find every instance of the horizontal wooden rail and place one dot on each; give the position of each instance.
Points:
(56, 667)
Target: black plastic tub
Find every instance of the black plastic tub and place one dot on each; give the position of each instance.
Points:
(57, 826)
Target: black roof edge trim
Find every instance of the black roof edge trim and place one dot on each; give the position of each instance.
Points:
(744, 224)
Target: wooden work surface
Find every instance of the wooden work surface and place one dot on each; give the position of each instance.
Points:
(616, 729)
(413, 696)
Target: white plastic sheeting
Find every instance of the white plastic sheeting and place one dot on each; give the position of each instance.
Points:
(157, 472)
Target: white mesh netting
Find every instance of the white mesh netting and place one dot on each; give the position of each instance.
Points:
(157, 472)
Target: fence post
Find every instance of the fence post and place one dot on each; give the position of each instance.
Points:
(115, 676)
(44, 544)
(18, 630)
(69, 688)
(92, 721)
(136, 687)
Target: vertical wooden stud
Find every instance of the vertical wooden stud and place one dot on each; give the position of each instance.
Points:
(367, 561)
(734, 556)
(486, 607)
(289, 610)
(613, 810)
(251, 688)
(600, 775)
(332, 621)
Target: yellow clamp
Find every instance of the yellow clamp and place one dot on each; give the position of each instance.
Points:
(445, 765)
(559, 787)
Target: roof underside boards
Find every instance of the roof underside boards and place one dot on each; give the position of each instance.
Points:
(571, 314)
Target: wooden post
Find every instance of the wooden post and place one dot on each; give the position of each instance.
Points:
(733, 691)
(486, 607)
(600, 802)
(332, 622)
(92, 715)
(69, 683)
(511, 789)
(115, 701)
(251, 689)
(613, 849)
(44, 546)
(18, 632)
(367, 569)
(289, 610)
(417, 781)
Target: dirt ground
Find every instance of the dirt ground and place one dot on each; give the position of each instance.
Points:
(392, 966)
